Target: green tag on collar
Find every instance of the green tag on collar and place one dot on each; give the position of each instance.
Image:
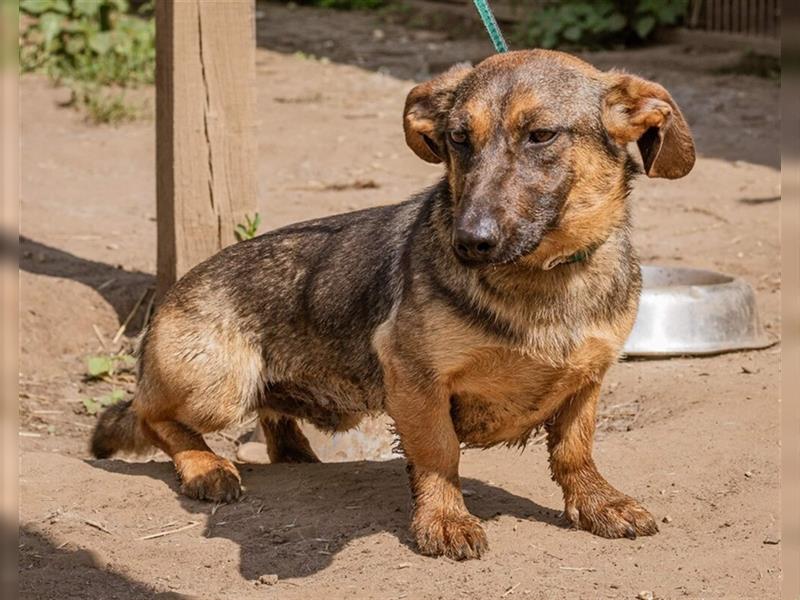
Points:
(579, 256)
(582, 255)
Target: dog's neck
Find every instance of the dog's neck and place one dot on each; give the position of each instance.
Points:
(577, 257)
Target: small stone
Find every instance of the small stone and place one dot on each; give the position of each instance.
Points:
(645, 595)
(748, 474)
(253, 452)
(772, 540)
(270, 579)
(666, 519)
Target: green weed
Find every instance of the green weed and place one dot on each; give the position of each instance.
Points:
(249, 229)
(95, 47)
(108, 365)
(600, 23)
(95, 405)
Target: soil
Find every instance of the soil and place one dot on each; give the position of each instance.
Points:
(696, 439)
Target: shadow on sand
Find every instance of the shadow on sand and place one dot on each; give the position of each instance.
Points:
(50, 571)
(119, 287)
(293, 519)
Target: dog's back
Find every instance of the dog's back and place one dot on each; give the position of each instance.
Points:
(313, 289)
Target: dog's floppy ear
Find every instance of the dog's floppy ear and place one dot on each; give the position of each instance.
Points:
(426, 109)
(642, 111)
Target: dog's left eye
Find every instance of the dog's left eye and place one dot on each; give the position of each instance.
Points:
(458, 137)
(542, 136)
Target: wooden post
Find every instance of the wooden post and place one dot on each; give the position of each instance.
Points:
(205, 122)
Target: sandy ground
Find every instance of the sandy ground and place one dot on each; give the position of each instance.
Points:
(695, 438)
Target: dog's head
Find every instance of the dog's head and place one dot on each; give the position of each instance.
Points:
(535, 144)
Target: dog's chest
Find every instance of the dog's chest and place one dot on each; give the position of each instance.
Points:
(502, 395)
(501, 392)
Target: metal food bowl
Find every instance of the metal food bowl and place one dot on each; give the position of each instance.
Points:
(691, 311)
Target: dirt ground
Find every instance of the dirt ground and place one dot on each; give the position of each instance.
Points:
(696, 439)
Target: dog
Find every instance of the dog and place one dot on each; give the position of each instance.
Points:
(487, 307)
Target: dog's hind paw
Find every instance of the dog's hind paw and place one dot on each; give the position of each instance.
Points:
(614, 517)
(457, 536)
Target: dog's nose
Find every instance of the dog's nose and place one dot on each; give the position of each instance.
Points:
(476, 242)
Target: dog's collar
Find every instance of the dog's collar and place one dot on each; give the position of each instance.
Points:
(576, 257)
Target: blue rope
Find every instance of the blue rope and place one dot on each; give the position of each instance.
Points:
(490, 23)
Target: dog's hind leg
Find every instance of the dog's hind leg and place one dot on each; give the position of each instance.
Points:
(285, 442)
(204, 475)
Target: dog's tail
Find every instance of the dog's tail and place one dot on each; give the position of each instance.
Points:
(118, 430)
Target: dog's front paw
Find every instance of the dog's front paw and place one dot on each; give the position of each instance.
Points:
(215, 480)
(611, 516)
(456, 535)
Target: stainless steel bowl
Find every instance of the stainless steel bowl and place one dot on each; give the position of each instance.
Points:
(691, 311)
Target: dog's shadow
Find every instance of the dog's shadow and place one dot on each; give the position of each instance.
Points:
(293, 519)
(118, 286)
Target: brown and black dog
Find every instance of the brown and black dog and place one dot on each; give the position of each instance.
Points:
(488, 306)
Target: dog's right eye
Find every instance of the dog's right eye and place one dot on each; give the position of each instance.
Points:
(540, 137)
(458, 137)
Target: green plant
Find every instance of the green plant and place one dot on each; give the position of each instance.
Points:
(599, 23)
(648, 15)
(96, 47)
(95, 405)
(103, 104)
(249, 229)
(108, 365)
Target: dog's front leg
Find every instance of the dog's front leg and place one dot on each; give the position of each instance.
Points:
(591, 502)
(441, 523)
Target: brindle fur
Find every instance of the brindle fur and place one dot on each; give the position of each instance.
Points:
(337, 318)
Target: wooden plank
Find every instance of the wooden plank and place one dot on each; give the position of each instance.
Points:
(772, 29)
(205, 138)
(9, 284)
(746, 16)
(694, 14)
(726, 16)
(741, 16)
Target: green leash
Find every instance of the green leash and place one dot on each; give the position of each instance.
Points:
(486, 15)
